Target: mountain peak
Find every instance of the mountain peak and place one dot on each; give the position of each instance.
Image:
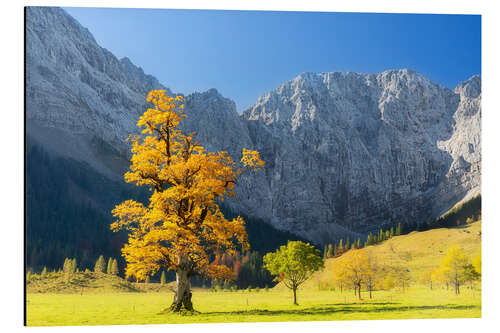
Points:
(470, 88)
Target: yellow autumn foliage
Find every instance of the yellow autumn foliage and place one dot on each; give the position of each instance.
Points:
(182, 223)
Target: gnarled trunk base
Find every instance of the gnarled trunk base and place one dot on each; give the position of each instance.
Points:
(182, 304)
(182, 298)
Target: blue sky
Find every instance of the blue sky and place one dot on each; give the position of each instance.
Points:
(247, 53)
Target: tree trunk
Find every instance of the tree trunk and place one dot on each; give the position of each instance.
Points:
(294, 289)
(295, 296)
(370, 288)
(182, 297)
(359, 291)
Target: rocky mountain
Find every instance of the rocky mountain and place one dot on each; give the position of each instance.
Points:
(352, 151)
(344, 152)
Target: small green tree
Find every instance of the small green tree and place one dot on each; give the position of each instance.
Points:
(470, 274)
(114, 267)
(294, 264)
(108, 267)
(100, 265)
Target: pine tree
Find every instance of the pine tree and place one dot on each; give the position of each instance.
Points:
(398, 230)
(380, 236)
(44, 272)
(369, 239)
(387, 235)
(114, 267)
(163, 278)
(110, 263)
(66, 266)
(341, 247)
(358, 243)
(73, 265)
(391, 233)
(329, 252)
(348, 244)
(68, 269)
(100, 265)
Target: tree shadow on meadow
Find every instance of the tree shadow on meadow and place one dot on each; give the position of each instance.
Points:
(369, 307)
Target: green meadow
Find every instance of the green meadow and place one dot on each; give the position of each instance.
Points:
(102, 299)
(244, 306)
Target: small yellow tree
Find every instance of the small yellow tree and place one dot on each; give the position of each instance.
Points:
(182, 226)
(375, 272)
(477, 263)
(388, 281)
(340, 278)
(354, 267)
(454, 267)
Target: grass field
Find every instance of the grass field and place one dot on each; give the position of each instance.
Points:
(107, 300)
(273, 305)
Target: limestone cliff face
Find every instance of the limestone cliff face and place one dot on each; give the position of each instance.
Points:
(344, 152)
(353, 151)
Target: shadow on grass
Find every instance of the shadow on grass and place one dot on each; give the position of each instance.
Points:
(346, 308)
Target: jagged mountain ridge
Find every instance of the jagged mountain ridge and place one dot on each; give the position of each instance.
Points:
(356, 150)
(344, 152)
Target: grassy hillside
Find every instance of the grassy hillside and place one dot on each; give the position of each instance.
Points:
(418, 251)
(79, 283)
(84, 283)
